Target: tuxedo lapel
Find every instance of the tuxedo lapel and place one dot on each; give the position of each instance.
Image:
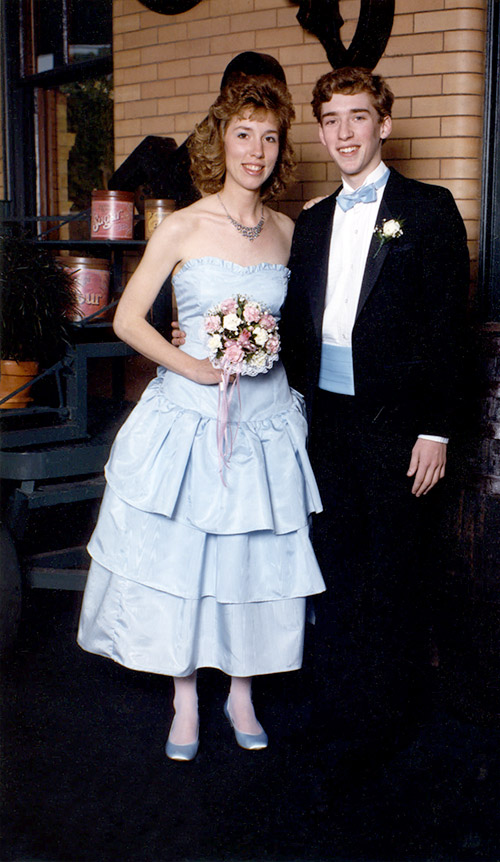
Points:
(392, 200)
(319, 258)
(375, 259)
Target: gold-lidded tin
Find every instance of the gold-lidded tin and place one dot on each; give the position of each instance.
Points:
(112, 215)
(155, 210)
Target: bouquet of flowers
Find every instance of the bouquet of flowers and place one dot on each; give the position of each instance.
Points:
(243, 336)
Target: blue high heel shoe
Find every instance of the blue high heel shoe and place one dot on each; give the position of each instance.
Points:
(182, 752)
(250, 741)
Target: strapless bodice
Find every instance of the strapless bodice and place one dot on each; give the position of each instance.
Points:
(203, 282)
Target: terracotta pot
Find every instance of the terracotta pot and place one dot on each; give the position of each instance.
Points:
(13, 375)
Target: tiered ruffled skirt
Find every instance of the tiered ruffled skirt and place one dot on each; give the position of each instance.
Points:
(189, 571)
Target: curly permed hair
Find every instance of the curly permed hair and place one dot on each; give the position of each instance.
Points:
(206, 144)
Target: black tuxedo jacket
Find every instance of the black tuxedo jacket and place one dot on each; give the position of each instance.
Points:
(407, 340)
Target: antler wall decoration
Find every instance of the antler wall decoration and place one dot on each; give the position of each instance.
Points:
(323, 19)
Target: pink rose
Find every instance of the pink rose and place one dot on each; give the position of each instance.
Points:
(228, 306)
(212, 323)
(233, 352)
(273, 344)
(267, 321)
(251, 313)
(244, 339)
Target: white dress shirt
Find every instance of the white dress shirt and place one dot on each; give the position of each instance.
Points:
(352, 234)
(349, 244)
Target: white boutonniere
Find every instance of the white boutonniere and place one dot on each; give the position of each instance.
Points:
(389, 229)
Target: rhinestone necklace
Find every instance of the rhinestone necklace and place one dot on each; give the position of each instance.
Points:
(249, 233)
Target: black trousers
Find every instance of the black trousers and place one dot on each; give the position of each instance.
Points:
(370, 644)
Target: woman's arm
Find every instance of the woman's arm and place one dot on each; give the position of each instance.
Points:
(163, 252)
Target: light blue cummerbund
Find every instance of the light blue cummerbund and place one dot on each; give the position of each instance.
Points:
(336, 372)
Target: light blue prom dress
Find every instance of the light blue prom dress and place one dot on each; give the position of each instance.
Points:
(187, 571)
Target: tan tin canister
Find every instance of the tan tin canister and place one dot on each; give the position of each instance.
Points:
(91, 279)
(112, 215)
(155, 210)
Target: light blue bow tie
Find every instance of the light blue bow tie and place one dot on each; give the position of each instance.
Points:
(364, 195)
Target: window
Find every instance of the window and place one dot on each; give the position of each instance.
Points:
(59, 105)
(74, 145)
(56, 33)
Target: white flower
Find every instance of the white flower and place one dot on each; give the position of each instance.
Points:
(260, 336)
(214, 342)
(231, 321)
(259, 358)
(391, 229)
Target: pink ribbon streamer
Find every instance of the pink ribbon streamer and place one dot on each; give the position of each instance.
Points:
(225, 434)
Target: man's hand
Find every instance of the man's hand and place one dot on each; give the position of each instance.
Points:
(178, 336)
(427, 465)
(313, 201)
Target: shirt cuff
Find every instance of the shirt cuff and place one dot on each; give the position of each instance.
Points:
(432, 437)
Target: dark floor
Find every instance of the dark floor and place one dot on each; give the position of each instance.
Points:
(84, 776)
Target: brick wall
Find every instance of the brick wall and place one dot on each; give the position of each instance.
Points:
(168, 71)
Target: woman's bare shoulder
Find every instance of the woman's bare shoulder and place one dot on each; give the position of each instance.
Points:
(282, 222)
(181, 224)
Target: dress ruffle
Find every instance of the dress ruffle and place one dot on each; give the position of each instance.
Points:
(165, 461)
(148, 630)
(175, 558)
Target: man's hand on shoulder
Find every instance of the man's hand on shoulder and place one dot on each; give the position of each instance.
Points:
(313, 201)
(427, 465)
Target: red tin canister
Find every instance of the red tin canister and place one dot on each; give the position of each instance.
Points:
(112, 215)
(91, 279)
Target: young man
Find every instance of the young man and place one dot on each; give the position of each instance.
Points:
(372, 336)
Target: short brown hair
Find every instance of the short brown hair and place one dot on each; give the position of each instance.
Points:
(349, 81)
(242, 93)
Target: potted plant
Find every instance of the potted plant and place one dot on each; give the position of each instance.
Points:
(37, 300)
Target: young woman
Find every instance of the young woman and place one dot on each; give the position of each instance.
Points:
(191, 569)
